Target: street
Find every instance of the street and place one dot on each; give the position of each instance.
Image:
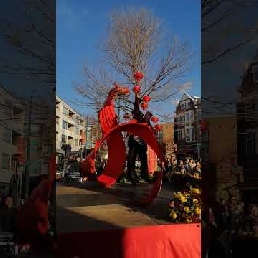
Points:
(81, 207)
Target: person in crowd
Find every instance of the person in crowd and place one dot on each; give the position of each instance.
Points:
(187, 166)
(181, 167)
(7, 215)
(167, 165)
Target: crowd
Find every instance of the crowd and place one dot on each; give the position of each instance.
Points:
(190, 166)
(230, 220)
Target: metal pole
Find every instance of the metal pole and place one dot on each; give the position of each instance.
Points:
(27, 171)
(86, 135)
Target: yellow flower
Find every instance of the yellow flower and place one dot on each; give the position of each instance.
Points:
(183, 199)
(195, 201)
(173, 215)
(196, 191)
(189, 220)
(197, 210)
(186, 209)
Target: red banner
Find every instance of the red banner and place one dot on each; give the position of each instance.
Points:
(164, 241)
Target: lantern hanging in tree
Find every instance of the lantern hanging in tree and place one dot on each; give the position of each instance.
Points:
(126, 90)
(154, 119)
(136, 89)
(204, 126)
(158, 127)
(138, 76)
(146, 98)
(144, 105)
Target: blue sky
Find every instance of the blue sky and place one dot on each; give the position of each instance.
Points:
(81, 25)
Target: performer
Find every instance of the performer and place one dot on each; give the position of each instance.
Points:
(137, 146)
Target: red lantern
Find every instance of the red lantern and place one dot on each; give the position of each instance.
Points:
(158, 127)
(146, 98)
(126, 90)
(136, 89)
(138, 76)
(154, 119)
(204, 126)
(144, 105)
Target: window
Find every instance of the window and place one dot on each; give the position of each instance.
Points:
(8, 108)
(256, 76)
(6, 161)
(57, 121)
(250, 110)
(199, 114)
(250, 143)
(186, 117)
(7, 134)
(187, 135)
(76, 142)
(193, 134)
(63, 138)
(65, 111)
(178, 134)
(77, 130)
(191, 116)
(182, 134)
(65, 125)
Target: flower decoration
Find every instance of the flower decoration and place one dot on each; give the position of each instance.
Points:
(138, 76)
(154, 119)
(158, 127)
(136, 89)
(186, 206)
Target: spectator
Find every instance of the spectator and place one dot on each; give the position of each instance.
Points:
(7, 215)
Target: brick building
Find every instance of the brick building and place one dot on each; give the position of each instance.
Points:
(187, 127)
(247, 137)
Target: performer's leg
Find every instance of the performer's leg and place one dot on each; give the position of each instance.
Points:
(131, 164)
(144, 163)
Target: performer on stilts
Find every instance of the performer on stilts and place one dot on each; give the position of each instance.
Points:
(137, 146)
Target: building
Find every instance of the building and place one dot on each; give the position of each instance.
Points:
(221, 140)
(12, 132)
(247, 133)
(70, 129)
(187, 132)
(167, 135)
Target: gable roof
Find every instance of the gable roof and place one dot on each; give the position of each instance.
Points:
(185, 96)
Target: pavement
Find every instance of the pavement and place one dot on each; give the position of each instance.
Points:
(85, 207)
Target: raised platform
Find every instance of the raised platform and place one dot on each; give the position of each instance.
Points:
(87, 207)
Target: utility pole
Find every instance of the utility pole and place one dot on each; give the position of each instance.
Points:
(27, 170)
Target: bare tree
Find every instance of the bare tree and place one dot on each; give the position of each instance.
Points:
(28, 34)
(137, 41)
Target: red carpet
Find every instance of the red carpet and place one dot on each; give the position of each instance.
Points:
(166, 241)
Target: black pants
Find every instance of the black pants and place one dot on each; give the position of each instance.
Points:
(141, 151)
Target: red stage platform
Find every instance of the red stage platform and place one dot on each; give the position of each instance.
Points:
(164, 241)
